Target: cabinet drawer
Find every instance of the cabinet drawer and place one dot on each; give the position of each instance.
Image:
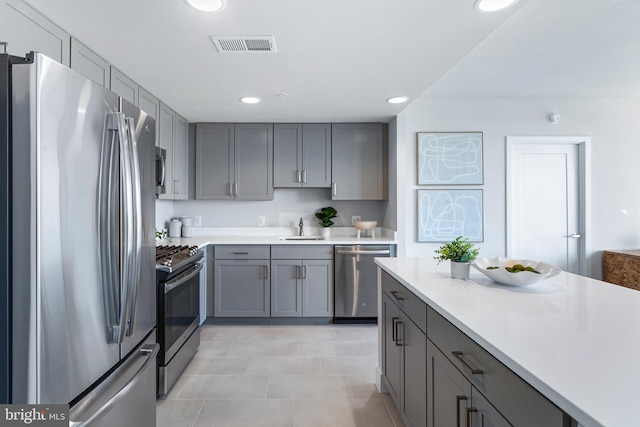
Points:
(242, 252)
(413, 306)
(520, 403)
(301, 252)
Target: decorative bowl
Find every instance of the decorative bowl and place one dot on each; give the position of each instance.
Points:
(520, 278)
(365, 225)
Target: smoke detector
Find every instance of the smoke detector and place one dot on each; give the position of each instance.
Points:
(245, 44)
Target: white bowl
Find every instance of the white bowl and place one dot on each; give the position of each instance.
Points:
(365, 225)
(521, 278)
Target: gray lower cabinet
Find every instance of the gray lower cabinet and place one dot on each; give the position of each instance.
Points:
(234, 161)
(358, 161)
(25, 29)
(301, 155)
(301, 287)
(242, 281)
(453, 401)
(405, 352)
(89, 64)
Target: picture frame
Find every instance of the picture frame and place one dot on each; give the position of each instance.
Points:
(450, 158)
(445, 214)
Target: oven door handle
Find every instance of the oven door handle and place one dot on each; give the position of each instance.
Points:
(182, 279)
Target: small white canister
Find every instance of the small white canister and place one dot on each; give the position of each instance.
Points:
(187, 221)
(186, 231)
(175, 228)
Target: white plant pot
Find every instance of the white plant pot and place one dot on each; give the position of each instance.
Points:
(460, 270)
(326, 232)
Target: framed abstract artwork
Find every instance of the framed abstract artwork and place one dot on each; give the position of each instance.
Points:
(449, 158)
(444, 215)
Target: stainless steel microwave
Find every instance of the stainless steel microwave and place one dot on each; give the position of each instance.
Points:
(161, 162)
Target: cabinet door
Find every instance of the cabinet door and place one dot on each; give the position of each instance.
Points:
(391, 348)
(483, 414)
(166, 127)
(316, 155)
(89, 64)
(242, 288)
(180, 159)
(124, 86)
(317, 288)
(287, 155)
(253, 162)
(358, 162)
(448, 391)
(25, 29)
(414, 373)
(286, 288)
(214, 160)
(148, 103)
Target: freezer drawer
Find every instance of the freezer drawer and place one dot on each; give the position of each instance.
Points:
(125, 398)
(355, 282)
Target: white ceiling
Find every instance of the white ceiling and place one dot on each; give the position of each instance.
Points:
(339, 60)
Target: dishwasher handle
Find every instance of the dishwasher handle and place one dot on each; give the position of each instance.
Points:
(364, 252)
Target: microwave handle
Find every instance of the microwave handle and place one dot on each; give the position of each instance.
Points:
(163, 170)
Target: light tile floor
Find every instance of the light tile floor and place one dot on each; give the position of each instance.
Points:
(297, 376)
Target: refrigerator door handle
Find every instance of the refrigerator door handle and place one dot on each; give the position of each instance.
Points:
(136, 204)
(112, 257)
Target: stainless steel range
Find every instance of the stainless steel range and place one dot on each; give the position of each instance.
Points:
(177, 272)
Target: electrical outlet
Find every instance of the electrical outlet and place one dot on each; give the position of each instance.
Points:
(355, 219)
(262, 221)
(197, 220)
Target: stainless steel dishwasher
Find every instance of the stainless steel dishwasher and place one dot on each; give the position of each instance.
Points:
(356, 282)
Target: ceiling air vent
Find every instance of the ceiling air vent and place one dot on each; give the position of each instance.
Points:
(245, 44)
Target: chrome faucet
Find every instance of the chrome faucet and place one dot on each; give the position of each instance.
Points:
(300, 231)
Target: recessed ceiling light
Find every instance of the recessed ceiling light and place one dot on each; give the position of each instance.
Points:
(397, 99)
(493, 5)
(250, 99)
(207, 5)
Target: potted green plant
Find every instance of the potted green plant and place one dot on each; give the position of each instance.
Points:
(460, 252)
(325, 216)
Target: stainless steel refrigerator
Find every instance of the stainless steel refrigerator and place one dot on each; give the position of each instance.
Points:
(80, 214)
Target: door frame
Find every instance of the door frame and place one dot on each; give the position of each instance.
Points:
(584, 189)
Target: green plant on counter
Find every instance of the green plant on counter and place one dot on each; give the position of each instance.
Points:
(460, 250)
(325, 215)
(161, 234)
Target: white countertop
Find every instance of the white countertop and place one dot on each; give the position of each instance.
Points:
(575, 339)
(271, 236)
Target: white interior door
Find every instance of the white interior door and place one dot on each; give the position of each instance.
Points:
(547, 200)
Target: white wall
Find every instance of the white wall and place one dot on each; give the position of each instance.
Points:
(612, 124)
(285, 210)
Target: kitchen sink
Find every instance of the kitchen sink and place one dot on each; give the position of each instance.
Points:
(301, 238)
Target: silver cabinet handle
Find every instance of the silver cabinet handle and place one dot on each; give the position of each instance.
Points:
(334, 188)
(395, 295)
(235, 189)
(397, 340)
(304, 176)
(459, 399)
(231, 189)
(304, 271)
(469, 412)
(265, 270)
(240, 253)
(298, 176)
(393, 328)
(574, 236)
(297, 271)
(176, 186)
(459, 355)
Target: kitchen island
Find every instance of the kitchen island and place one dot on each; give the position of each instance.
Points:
(573, 339)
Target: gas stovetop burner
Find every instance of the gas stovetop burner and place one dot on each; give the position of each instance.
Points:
(171, 258)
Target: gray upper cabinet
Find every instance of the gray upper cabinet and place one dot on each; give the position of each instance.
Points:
(173, 137)
(89, 64)
(234, 161)
(124, 86)
(358, 161)
(25, 29)
(302, 155)
(149, 104)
